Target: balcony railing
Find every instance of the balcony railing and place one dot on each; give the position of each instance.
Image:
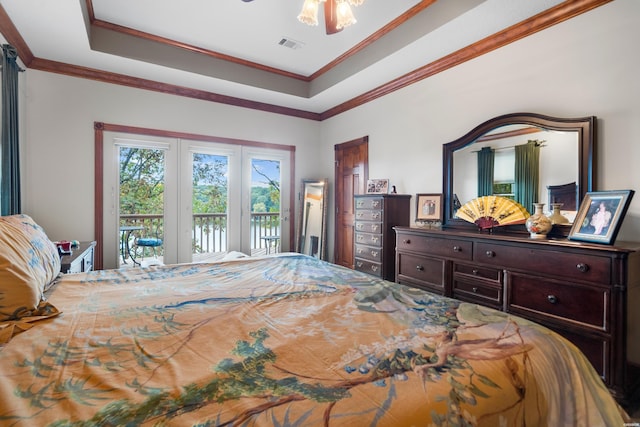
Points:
(208, 231)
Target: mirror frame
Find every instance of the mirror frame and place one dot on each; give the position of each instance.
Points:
(585, 126)
(322, 247)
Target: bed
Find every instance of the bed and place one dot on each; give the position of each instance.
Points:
(285, 340)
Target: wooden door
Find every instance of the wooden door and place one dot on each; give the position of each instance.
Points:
(352, 172)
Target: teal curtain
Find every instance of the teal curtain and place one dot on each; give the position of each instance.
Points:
(485, 171)
(527, 174)
(10, 150)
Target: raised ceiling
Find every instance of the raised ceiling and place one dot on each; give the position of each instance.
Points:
(232, 51)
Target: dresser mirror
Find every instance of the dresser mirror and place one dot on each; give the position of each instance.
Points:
(311, 236)
(566, 162)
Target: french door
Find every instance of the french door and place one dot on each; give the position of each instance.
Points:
(202, 199)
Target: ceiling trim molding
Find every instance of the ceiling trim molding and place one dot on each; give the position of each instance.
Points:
(138, 83)
(212, 54)
(543, 20)
(539, 22)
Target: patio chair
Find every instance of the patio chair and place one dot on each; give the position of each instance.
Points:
(140, 245)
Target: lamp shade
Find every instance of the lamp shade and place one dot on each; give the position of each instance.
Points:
(309, 13)
(345, 15)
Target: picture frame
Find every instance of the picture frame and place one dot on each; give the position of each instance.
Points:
(377, 186)
(429, 207)
(600, 216)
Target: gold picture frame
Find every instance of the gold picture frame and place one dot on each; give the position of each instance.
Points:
(429, 207)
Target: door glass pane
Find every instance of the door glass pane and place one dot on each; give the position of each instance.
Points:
(141, 204)
(210, 206)
(265, 206)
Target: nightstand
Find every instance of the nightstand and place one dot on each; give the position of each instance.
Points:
(80, 260)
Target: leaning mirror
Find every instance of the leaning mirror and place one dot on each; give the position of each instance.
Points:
(311, 237)
(564, 172)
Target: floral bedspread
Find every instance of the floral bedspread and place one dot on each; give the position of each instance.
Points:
(286, 341)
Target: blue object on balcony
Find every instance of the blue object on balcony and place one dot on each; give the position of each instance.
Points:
(149, 241)
(146, 242)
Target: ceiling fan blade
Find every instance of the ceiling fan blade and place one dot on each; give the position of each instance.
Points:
(331, 16)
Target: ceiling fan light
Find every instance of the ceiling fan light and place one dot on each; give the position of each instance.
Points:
(345, 15)
(309, 13)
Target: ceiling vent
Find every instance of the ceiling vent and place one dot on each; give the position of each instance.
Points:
(290, 43)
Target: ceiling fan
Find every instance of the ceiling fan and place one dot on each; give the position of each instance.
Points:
(330, 15)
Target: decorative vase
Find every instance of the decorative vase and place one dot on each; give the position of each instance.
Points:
(556, 217)
(538, 225)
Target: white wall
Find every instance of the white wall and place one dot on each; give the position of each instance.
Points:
(582, 67)
(59, 138)
(585, 66)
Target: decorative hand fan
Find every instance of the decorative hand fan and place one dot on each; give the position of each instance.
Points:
(492, 211)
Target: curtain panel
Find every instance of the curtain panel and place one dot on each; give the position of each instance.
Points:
(485, 171)
(527, 174)
(10, 150)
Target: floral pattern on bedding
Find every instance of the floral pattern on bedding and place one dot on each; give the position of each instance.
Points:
(286, 341)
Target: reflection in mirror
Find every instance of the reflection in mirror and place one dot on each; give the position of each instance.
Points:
(553, 149)
(564, 149)
(312, 219)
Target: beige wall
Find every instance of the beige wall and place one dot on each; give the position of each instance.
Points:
(583, 67)
(586, 66)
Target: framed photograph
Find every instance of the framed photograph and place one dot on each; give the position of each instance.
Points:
(377, 186)
(600, 216)
(429, 207)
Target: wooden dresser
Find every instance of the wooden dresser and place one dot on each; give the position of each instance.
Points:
(586, 292)
(374, 241)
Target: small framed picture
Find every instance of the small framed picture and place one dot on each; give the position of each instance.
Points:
(377, 186)
(429, 207)
(600, 216)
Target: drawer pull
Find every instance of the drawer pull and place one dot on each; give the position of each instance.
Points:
(552, 299)
(582, 267)
(374, 253)
(374, 227)
(359, 215)
(359, 226)
(374, 268)
(474, 289)
(375, 239)
(360, 250)
(406, 241)
(360, 203)
(359, 264)
(419, 268)
(375, 203)
(376, 215)
(457, 249)
(360, 238)
(490, 254)
(475, 272)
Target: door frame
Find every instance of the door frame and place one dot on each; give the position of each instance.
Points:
(339, 209)
(100, 127)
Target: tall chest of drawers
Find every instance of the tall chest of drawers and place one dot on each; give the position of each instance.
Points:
(374, 240)
(586, 292)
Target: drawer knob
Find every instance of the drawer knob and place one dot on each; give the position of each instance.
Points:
(490, 254)
(374, 253)
(406, 241)
(419, 268)
(582, 267)
(475, 272)
(457, 249)
(474, 289)
(374, 268)
(552, 299)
